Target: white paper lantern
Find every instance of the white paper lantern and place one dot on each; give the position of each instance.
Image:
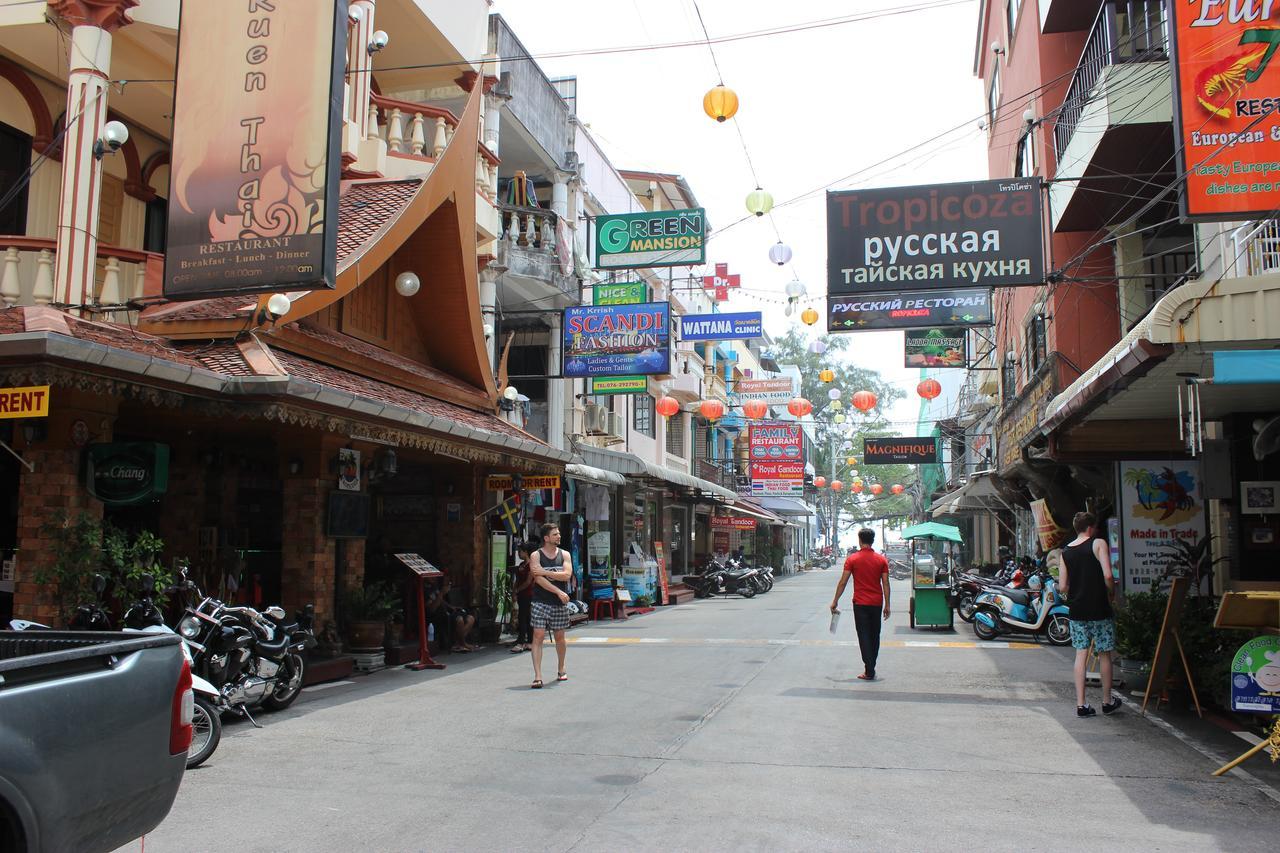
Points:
(780, 253)
(833, 394)
(796, 289)
(817, 347)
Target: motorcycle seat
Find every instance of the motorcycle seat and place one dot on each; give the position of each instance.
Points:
(275, 648)
(1017, 596)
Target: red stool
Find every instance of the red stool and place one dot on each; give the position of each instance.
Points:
(598, 605)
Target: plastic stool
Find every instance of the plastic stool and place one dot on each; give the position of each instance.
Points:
(598, 605)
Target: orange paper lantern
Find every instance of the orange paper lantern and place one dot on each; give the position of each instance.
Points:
(876, 488)
(809, 316)
(864, 401)
(836, 485)
(929, 388)
(720, 103)
(852, 461)
(857, 487)
(755, 408)
(819, 481)
(711, 409)
(799, 407)
(827, 375)
(897, 488)
(667, 406)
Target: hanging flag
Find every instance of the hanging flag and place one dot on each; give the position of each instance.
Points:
(509, 512)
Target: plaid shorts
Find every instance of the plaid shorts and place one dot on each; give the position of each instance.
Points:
(552, 617)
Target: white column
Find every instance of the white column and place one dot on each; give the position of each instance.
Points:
(77, 236)
(555, 388)
(488, 305)
(492, 121)
(360, 67)
(560, 194)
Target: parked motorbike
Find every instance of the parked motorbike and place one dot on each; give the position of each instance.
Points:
(763, 578)
(1036, 610)
(717, 579)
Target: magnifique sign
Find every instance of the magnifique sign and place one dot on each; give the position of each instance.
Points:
(920, 450)
(667, 238)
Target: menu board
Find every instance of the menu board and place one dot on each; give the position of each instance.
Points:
(419, 566)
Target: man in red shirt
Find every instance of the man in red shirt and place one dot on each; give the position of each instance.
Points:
(870, 572)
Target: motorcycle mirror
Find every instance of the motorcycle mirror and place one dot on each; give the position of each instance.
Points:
(148, 584)
(99, 584)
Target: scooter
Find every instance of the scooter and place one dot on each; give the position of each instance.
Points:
(1036, 610)
(716, 579)
(967, 587)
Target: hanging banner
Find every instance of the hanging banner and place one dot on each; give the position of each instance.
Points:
(777, 459)
(1226, 128)
(935, 236)
(894, 310)
(721, 327)
(937, 347)
(255, 156)
(666, 238)
(1048, 533)
(1255, 677)
(921, 450)
(1159, 502)
(617, 340)
(771, 391)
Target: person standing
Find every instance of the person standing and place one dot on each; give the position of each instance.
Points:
(551, 571)
(870, 573)
(524, 597)
(1090, 589)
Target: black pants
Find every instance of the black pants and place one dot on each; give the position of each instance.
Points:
(524, 610)
(866, 620)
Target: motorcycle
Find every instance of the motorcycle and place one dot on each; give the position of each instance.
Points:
(717, 579)
(763, 579)
(1036, 610)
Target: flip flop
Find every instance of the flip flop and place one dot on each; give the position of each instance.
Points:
(537, 685)
(865, 677)
(460, 649)
(517, 648)
(562, 676)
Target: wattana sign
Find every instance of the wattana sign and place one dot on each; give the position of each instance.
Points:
(255, 155)
(920, 450)
(617, 340)
(777, 459)
(721, 327)
(667, 238)
(976, 234)
(1225, 107)
(873, 311)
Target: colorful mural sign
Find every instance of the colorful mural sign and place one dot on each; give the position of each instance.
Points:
(255, 154)
(777, 459)
(1159, 502)
(666, 238)
(1255, 677)
(936, 347)
(617, 340)
(721, 327)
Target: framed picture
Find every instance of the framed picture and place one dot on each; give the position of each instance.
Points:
(348, 469)
(1260, 497)
(1262, 536)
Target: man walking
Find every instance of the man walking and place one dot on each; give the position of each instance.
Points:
(870, 573)
(551, 570)
(1089, 588)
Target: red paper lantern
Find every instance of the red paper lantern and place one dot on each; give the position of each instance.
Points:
(864, 401)
(711, 409)
(897, 488)
(836, 485)
(857, 487)
(876, 488)
(799, 407)
(819, 481)
(755, 408)
(667, 406)
(929, 388)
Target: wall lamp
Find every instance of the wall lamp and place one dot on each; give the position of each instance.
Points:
(407, 284)
(114, 135)
(378, 41)
(277, 306)
(295, 465)
(33, 431)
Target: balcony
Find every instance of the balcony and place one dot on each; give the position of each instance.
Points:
(1115, 123)
(535, 249)
(1256, 248)
(686, 380)
(1067, 16)
(27, 268)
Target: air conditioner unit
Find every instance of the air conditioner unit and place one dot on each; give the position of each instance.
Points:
(596, 421)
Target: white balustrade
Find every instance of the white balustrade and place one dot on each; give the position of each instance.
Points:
(27, 273)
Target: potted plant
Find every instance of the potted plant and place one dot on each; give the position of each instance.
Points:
(366, 610)
(1137, 630)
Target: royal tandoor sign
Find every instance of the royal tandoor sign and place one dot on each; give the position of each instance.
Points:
(667, 238)
(127, 473)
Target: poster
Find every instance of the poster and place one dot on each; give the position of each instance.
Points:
(1159, 501)
(348, 469)
(617, 340)
(1255, 677)
(937, 347)
(777, 459)
(660, 558)
(1048, 534)
(498, 551)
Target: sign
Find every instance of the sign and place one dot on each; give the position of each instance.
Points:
(619, 385)
(777, 459)
(720, 283)
(661, 559)
(720, 542)
(666, 238)
(1255, 677)
(1020, 421)
(937, 347)
(895, 310)
(1227, 132)
(720, 327)
(771, 391)
(979, 233)
(1049, 534)
(1159, 502)
(348, 469)
(921, 450)
(617, 340)
(626, 293)
(31, 401)
(125, 474)
(528, 482)
(732, 522)
(256, 148)
(498, 554)
(422, 568)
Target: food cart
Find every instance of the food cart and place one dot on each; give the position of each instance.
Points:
(932, 558)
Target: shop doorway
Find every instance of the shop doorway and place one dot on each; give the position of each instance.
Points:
(679, 539)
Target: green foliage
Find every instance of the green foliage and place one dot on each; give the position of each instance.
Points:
(1138, 624)
(76, 546)
(127, 557)
(376, 602)
(644, 601)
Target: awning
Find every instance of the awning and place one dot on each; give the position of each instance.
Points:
(755, 511)
(633, 466)
(977, 495)
(595, 475)
(785, 506)
(932, 530)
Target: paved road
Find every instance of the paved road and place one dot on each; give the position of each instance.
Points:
(722, 725)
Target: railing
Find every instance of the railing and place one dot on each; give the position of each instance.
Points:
(1124, 31)
(1168, 270)
(1257, 247)
(27, 268)
(529, 227)
(422, 132)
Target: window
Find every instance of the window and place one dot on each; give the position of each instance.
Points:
(675, 434)
(642, 415)
(15, 157)
(1025, 165)
(993, 97)
(1009, 378)
(1037, 346)
(154, 237)
(1011, 17)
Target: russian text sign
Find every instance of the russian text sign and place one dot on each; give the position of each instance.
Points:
(875, 311)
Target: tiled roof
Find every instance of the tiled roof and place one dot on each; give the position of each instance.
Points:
(221, 357)
(12, 321)
(367, 350)
(364, 209)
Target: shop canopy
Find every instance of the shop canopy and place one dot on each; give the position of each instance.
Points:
(977, 495)
(632, 465)
(932, 530)
(755, 510)
(785, 506)
(594, 475)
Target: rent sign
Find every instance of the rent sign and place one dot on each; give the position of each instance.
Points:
(921, 450)
(976, 234)
(31, 401)
(617, 340)
(667, 238)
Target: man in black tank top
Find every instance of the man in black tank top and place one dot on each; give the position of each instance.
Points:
(551, 570)
(1087, 583)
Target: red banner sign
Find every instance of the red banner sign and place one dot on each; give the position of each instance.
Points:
(732, 522)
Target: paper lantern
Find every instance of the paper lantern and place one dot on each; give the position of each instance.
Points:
(897, 488)
(799, 407)
(759, 202)
(839, 419)
(835, 405)
(846, 444)
(817, 346)
(833, 394)
(857, 487)
(755, 408)
(711, 409)
(795, 289)
(809, 316)
(827, 375)
(864, 401)
(720, 103)
(929, 388)
(876, 488)
(852, 460)
(667, 406)
(780, 253)
(819, 481)
(836, 485)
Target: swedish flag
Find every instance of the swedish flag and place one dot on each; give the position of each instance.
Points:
(509, 512)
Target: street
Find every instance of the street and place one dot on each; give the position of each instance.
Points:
(723, 725)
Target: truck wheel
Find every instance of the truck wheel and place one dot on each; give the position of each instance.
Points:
(287, 691)
(206, 731)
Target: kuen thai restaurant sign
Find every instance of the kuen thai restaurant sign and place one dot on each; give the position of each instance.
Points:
(918, 450)
(666, 238)
(255, 155)
(777, 459)
(1159, 502)
(936, 236)
(1227, 77)
(617, 340)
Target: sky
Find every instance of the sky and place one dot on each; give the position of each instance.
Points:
(816, 106)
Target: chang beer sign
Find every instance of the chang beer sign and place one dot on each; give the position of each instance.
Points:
(127, 473)
(664, 238)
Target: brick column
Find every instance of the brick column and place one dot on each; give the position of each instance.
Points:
(307, 559)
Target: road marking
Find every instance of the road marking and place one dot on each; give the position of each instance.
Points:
(724, 641)
(325, 686)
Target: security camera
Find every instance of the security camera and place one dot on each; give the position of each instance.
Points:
(378, 41)
(114, 135)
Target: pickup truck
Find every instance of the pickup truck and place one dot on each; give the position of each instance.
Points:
(94, 732)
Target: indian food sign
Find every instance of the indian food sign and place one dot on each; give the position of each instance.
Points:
(255, 155)
(617, 340)
(667, 238)
(777, 459)
(1225, 108)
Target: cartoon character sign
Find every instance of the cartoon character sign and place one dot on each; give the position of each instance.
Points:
(1255, 676)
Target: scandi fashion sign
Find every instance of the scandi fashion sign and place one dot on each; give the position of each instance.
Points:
(617, 340)
(777, 459)
(255, 157)
(976, 234)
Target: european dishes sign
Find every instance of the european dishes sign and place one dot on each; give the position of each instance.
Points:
(617, 340)
(666, 238)
(720, 327)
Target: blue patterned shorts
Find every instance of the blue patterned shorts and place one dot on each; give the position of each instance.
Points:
(1101, 631)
